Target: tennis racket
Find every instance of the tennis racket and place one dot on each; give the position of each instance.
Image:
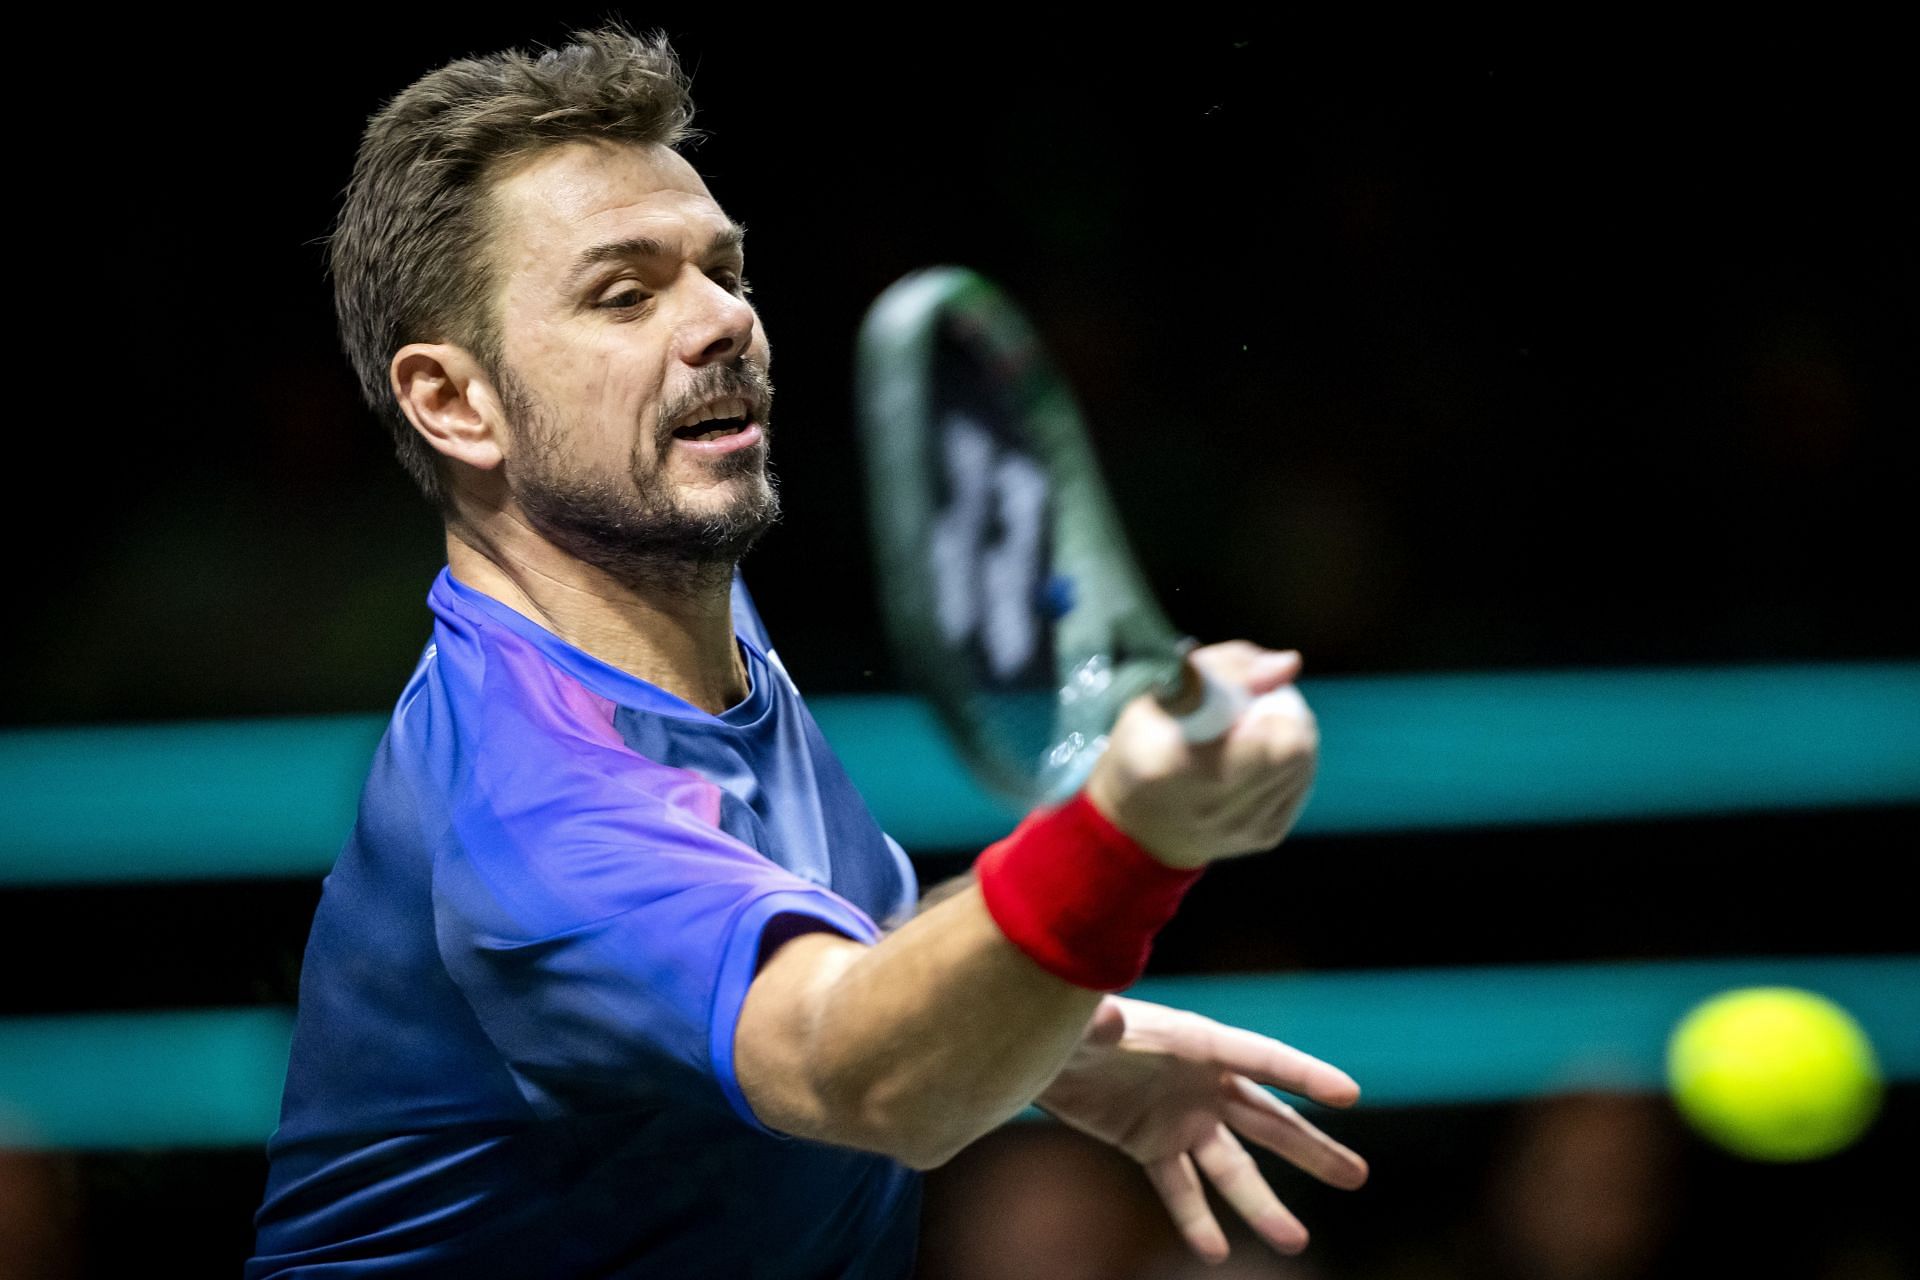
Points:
(1008, 590)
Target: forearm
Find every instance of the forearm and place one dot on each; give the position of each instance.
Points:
(947, 888)
(914, 1046)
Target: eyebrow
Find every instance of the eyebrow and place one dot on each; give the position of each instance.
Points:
(728, 240)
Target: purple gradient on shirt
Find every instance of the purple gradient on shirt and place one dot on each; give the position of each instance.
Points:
(569, 711)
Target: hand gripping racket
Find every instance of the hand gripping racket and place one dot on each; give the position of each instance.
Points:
(1008, 590)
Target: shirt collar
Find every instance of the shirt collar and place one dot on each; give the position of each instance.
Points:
(449, 594)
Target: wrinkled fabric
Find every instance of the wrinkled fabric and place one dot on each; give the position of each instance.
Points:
(514, 1048)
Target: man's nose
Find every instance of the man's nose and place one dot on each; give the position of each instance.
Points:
(720, 327)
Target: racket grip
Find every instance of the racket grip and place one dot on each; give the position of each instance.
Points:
(1220, 705)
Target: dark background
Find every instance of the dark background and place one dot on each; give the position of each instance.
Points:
(1464, 367)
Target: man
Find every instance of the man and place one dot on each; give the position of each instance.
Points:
(595, 987)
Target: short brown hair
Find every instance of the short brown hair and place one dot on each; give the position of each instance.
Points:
(409, 253)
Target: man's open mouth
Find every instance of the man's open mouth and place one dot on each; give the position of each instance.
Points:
(716, 420)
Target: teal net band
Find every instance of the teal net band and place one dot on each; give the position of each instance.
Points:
(1415, 1037)
(1402, 753)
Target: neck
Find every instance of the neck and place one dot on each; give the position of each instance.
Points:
(676, 633)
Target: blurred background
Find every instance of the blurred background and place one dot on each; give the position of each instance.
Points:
(1478, 372)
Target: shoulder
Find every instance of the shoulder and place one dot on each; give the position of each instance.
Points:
(525, 756)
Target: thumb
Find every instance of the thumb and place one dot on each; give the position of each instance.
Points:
(1271, 670)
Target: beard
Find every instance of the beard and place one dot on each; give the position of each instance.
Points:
(633, 526)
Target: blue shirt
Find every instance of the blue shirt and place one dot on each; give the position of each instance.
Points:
(514, 1048)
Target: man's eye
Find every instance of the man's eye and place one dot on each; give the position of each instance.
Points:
(625, 300)
(733, 282)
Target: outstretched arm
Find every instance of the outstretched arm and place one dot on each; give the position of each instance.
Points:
(944, 1029)
(912, 1047)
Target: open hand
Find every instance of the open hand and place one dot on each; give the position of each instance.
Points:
(1171, 1089)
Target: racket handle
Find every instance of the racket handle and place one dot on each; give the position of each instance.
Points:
(1220, 705)
(1204, 707)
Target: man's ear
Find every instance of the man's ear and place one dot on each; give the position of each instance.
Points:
(450, 401)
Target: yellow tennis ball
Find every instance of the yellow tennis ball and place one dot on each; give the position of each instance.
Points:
(1774, 1073)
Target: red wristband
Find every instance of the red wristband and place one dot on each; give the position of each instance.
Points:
(1076, 894)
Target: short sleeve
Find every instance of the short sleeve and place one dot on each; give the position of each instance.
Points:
(602, 927)
(908, 903)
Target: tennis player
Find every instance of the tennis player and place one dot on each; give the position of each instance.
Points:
(616, 975)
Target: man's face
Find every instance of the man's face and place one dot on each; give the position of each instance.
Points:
(634, 372)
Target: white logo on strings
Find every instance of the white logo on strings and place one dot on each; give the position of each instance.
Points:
(989, 589)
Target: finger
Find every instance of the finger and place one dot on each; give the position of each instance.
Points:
(1180, 1190)
(1271, 670)
(1271, 1123)
(1268, 1061)
(1108, 1025)
(1281, 694)
(1247, 666)
(1281, 772)
(1272, 750)
(1278, 820)
(1234, 1173)
(1248, 816)
(1280, 726)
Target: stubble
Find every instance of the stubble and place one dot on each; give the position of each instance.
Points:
(633, 526)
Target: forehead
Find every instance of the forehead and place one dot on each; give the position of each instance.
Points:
(580, 194)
